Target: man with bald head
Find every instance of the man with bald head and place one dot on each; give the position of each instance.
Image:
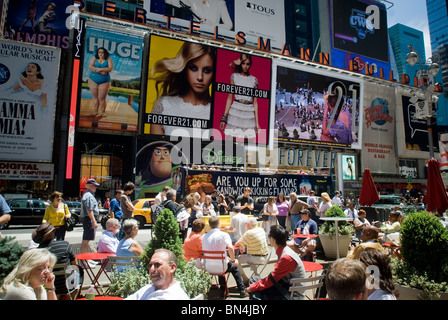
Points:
(369, 237)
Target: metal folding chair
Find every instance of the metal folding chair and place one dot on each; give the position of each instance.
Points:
(214, 262)
(299, 285)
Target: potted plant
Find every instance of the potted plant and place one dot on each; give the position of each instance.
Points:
(166, 235)
(422, 273)
(327, 232)
(10, 253)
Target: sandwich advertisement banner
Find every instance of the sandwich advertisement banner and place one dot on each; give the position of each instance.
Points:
(28, 87)
(110, 93)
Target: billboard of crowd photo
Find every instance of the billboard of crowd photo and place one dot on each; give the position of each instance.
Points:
(315, 108)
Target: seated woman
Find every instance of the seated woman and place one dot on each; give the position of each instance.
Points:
(128, 246)
(390, 229)
(193, 243)
(31, 278)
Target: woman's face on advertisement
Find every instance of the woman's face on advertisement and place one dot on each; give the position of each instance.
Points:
(31, 69)
(245, 65)
(101, 53)
(200, 73)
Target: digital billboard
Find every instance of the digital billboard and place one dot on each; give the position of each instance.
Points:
(412, 131)
(315, 107)
(39, 22)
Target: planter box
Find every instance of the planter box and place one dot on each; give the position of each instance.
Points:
(329, 245)
(408, 293)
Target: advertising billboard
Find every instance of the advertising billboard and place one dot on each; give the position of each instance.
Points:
(157, 160)
(315, 107)
(28, 88)
(242, 96)
(359, 41)
(378, 152)
(39, 22)
(251, 19)
(348, 167)
(179, 94)
(412, 131)
(110, 89)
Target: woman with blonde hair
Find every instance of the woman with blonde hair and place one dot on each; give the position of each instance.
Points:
(240, 118)
(270, 213)
(56, 214)
(325, 204)
(32, 277)
(182, 85)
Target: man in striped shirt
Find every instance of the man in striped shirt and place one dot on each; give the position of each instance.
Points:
(253, 248)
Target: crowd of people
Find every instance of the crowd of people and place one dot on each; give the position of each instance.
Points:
(246, 241)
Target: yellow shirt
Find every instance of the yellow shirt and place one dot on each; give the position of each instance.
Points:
(255, 241)
(56, 216)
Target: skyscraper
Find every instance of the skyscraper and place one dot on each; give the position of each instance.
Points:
(400, 37)
(438, 22)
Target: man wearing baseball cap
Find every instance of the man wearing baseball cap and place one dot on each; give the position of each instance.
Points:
(89, 213)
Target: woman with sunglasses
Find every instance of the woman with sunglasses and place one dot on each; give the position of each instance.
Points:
(56, 214)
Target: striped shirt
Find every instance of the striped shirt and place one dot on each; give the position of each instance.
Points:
(255, 241)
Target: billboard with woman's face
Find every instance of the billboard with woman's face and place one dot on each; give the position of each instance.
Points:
(28, 87)
(242, 97)
(179, 96)
(110, 94)
(315, 107)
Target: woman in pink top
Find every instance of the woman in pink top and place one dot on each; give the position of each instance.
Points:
(193, 243)
(282, 207)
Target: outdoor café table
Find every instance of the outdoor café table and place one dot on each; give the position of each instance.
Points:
(312, 266)
(94, 278)
(336, 220)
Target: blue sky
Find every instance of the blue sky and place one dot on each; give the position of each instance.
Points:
(411, 13)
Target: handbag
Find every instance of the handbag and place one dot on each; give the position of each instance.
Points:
(69, 223)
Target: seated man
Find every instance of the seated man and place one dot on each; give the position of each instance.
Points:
(253, 247)
(369, 237)
(237, 224)
(108, 242)
(305, 246)
(162, 269)
(346, 280)
(216, 240)
(289, 266)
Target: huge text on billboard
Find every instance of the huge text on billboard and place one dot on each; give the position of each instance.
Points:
(110, 93)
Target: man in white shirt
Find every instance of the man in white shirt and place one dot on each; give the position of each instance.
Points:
(216, 240)
(162, 268)
(253, 248)
(336, 201)
(238, 224)
(108, 242)
(351, 212)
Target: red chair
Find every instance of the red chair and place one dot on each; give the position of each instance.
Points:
(215, 263)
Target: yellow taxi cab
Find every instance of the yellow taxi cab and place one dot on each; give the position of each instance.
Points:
(142, 212)
(224, 221)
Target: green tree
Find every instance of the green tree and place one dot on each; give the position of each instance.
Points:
(10, 253)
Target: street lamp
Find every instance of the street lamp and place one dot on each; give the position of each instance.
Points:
(424, 76)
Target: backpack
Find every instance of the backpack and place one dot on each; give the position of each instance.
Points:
(155, 212)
